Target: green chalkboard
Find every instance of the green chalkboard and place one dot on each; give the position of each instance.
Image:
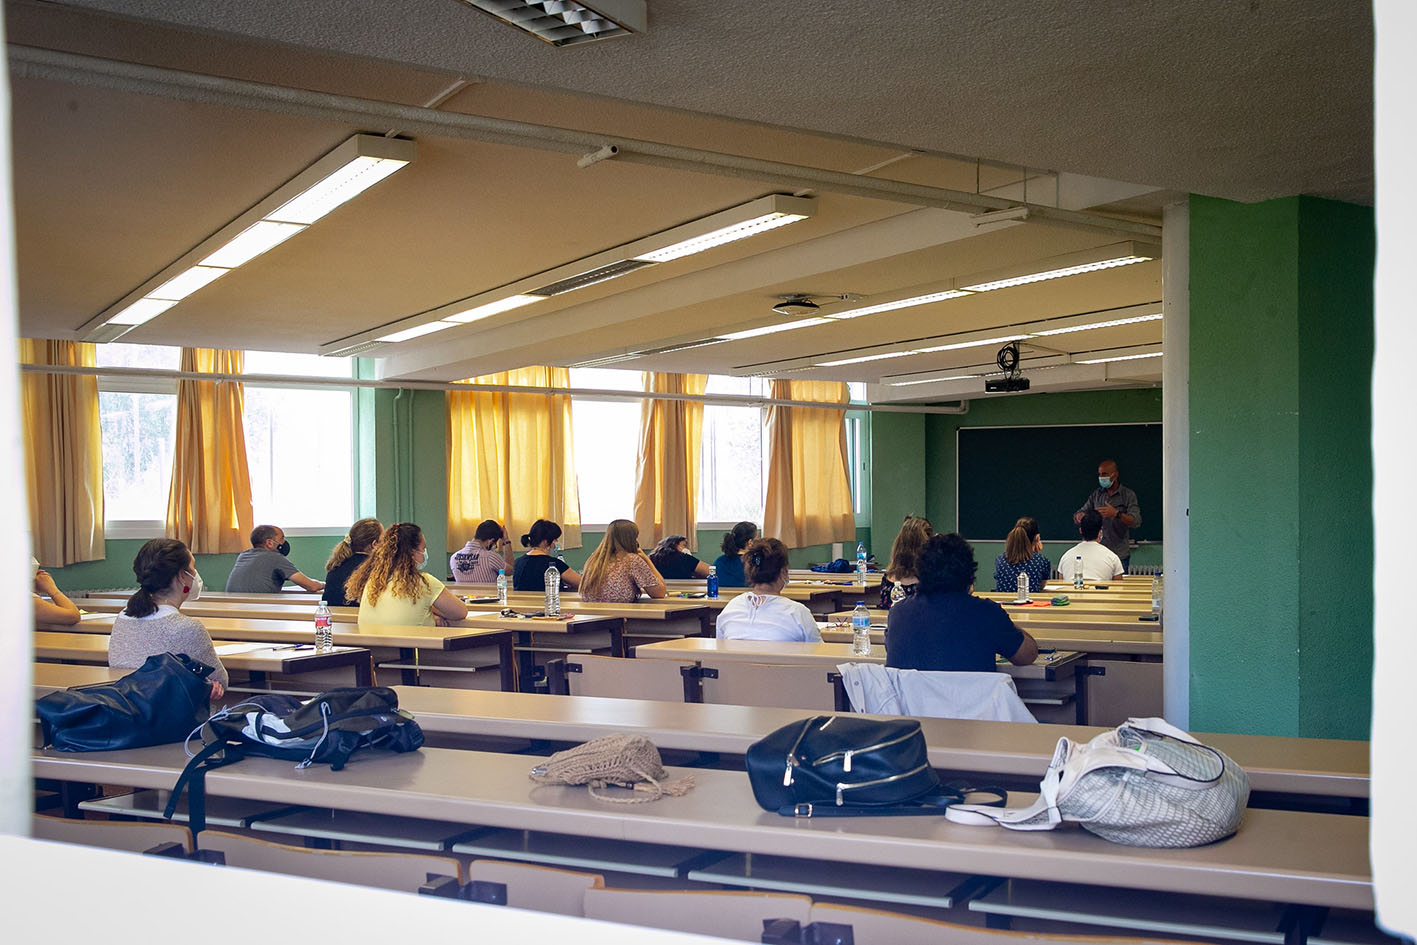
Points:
(1048, 472)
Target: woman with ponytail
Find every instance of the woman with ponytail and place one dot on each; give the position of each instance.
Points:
(730, 564)
(763, 613)
(151, 623)
(1023, 554)
(349, 554)
(392, 588)
(540, 544)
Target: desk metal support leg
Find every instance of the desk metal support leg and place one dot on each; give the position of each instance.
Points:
(507, 649)
(407, 655)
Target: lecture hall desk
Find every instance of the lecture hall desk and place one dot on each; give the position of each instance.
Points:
(1277, 856)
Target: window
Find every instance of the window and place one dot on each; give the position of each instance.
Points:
(607, 435)
(300, 443)
(732, 473)
(137, 417)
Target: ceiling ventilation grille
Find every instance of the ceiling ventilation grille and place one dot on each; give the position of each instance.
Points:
(590, 277)
(564, 23)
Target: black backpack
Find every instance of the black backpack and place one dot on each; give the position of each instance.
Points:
(324, 730)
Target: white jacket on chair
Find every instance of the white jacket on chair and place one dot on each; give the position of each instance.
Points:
(888, 691)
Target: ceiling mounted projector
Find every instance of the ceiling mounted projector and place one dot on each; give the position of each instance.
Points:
(795, 305)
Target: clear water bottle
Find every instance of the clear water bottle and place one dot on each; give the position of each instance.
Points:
(860, 630)
(1022, 588)
(1158, 594)
(861, 562)
(897, 593)
(324, 627)
(553, 591)
(1077, 573)
(713, 583)
(502, 587)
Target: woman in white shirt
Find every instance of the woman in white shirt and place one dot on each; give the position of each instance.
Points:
(763, 613)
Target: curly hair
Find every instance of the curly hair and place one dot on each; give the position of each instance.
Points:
(946, 565)
(390, 567)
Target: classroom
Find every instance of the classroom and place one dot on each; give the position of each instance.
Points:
(945, 268)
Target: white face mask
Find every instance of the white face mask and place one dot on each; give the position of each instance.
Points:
(197, 586)
(421, 560)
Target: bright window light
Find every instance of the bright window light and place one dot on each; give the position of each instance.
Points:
(252, 242)
(417, 331)
(184, 284)
(727, 234)
(142, 310)
(343, 185)
(1108, 324)
(1055, 273)
(772, 329)
(1121, 357)
(898, 303)
(973, 344)
(492, 308)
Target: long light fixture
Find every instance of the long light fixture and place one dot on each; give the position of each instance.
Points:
(566, 23)
(717, 229)
(1120, 357)
(338, 177)
(1070, 264)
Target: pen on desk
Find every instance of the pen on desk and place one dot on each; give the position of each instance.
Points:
(295, 646)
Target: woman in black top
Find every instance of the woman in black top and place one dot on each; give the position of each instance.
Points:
(348, 555)
(529, 573)
(672, 559)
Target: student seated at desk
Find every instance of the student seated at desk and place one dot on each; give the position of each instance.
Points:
(671, 558)
(151, 622)
(264, 568)
(1099, 563)
(730, 563)
(350, 553)
(478, 561)
(619, 571)
(393, 591)
(944, 627)
(530, 571)
(1023, 554)
(58, 609)
(900, 580)
(763, 613)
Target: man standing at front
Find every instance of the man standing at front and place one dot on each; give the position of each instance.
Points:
(1119, 510)
(264, 568)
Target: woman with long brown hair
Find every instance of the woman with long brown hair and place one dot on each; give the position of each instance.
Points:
(1023, 554)
(350, 553)
(901, 578)
(393, 590)
(618, 571)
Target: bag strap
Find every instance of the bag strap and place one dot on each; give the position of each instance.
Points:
(194, 779)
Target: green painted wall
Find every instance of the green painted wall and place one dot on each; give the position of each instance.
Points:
(897, 475)
(1281, 530)
(116, 570)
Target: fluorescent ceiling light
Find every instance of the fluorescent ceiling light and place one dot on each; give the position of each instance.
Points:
(1018, 336)
(1071, 264)
(772, 329)
(935, 380)
(141, 311)
(416, 331)
(1120, 357)
(253, 241)
(184, 284)
(1112, 323)
(566, 23)
(727, 234)
(338, 188)
(868, 357)
(491, 308)
(898, 303)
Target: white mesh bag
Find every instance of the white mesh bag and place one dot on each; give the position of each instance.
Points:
(1145, 783)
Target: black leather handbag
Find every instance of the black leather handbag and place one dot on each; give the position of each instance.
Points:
(844, 766)
(157, 703)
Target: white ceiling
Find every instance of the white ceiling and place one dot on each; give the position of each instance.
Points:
(112, 185)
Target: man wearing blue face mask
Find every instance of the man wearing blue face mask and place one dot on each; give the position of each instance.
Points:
(264, 568)
(1119, 510)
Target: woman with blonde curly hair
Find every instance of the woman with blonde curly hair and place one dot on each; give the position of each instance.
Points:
(391, 588)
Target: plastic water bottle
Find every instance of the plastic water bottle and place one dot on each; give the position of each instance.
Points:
(553, 591)
(324, 627)
(1158, 594)
(861, 562)
(860, 630)
(713, 583)
(1022, 588)
(1077, 574)
(502, 587)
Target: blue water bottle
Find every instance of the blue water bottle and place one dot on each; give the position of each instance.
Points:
(861, 562)
(713, 583)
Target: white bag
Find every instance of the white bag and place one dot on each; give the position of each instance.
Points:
(1145, 783)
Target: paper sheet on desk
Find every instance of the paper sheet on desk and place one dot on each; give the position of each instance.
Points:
(91, 615)
(230, 649)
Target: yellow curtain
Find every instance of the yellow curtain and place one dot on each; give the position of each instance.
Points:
(65, 454)
(511, 457)
(667, 468)
(209, 505)
(809, 486)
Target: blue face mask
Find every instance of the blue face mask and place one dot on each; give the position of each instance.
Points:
(1104, 481)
